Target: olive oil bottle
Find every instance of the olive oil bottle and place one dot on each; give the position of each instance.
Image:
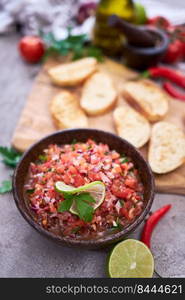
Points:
(106, 37)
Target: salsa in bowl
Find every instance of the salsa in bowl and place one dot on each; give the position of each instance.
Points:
(83, 187)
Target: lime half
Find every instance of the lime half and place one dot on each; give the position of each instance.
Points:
(96, 189)
(131, 259)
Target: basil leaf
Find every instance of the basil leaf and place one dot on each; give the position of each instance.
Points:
(6, 187)
(85, 211)
(65, 205)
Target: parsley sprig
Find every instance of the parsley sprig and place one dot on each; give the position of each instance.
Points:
(82, 202)
(6, 187)
(75, 44)
(10, 157)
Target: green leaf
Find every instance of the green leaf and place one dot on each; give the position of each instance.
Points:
(124, 159)
(10, 156)
(74, 141)
(85, 211)
(95, 52)
(6, 187)
(76, 229)
(84, 197)
(67, 196)
(65, 205)
(30, 191)
(73, 43)
(42, 158)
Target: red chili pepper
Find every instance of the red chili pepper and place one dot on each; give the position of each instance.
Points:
(168, 74)
(170, 88)
(152, 222)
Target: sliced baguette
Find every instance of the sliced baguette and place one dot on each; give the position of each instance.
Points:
(148, 98)
(73, 73)
(98, 94)
(66, 111)
(167, 148)
(131, 126)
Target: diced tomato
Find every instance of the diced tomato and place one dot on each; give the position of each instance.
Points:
(60, 169)
(93, 176)
(79, 180)
(115, 155)
(67, 178)
(52, 208)
(73, 170)
(119, 190)
(124, 212)
(95, 159)
(131, 182)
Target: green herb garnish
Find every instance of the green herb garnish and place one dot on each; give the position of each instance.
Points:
(76, 44)
(117, 225)
(30, 191)
(124, 160)
(65, 205)
(6, 186)
(74, 141)
(42, 158)
(85, 211)
(10, 156)
(76, 229)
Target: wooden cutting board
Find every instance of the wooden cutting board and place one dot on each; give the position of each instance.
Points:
(35, 121)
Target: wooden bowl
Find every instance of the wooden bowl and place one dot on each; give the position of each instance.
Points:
(81, 135)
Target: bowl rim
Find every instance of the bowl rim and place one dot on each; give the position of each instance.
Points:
(94, 243)
(151, 50)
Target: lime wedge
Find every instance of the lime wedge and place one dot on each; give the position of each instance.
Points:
(131, 259)
(96, 189)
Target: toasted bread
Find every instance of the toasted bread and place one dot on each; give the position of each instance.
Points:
(98, 94)
(73, 73)
(66, 111)
(167, 148)
(131, 125)
(148, 98)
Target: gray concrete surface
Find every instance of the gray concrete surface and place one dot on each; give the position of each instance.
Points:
(23, 252)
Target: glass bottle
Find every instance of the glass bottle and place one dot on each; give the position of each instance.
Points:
(106, 37)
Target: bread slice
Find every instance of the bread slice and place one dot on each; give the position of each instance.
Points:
(131, 125)
(73, 73)
(148, 98)
(98, 94)
(66, 111)
(167, 148)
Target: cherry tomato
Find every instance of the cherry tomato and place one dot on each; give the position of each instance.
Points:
(174, 52)
(159, 21)
(31, 48)
(180, 33)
